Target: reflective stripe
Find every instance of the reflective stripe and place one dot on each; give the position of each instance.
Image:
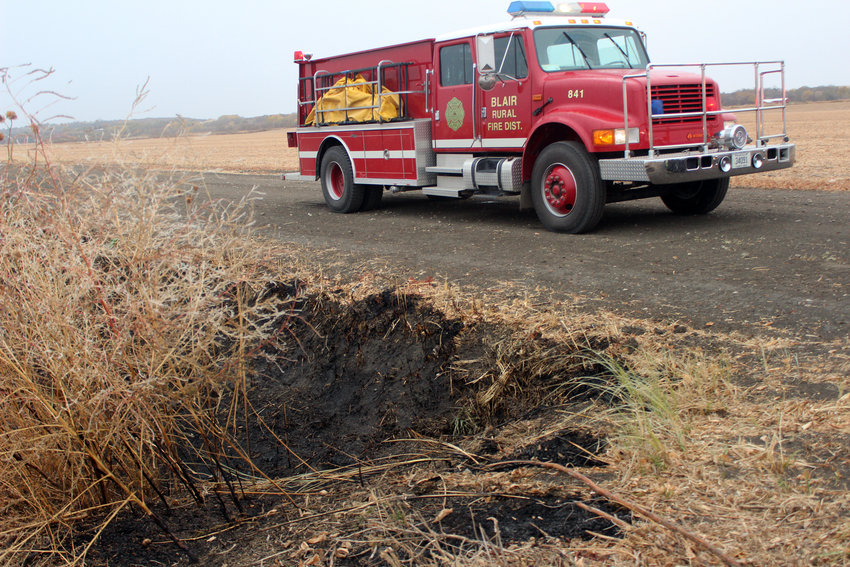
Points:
(395, 154)
(387, 181)
(486, 143)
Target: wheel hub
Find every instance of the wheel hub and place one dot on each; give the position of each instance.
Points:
(337, 181)
(559, 189)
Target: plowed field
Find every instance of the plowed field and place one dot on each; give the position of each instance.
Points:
(816, 128)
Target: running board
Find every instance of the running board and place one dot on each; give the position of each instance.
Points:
(437, 191)
(468, 172)
(444, 170)
(448, 186)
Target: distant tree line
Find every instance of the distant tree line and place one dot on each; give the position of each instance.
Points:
(803, 94)
(154, 128)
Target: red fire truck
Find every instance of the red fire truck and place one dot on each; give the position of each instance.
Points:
(560, 106)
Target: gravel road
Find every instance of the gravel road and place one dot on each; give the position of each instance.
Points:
(765, 259)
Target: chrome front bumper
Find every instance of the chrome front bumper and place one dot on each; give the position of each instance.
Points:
(697, 166)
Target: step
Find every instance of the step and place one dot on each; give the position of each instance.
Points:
(444, 170)
(443, 191)
(449, 164)
(452, 182)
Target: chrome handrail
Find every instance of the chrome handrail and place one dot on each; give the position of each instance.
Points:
(380, 89)
(316, 96)
(761, 103)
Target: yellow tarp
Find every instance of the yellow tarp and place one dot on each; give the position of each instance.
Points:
(355, 95)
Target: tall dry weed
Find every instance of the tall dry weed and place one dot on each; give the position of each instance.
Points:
(127, 306)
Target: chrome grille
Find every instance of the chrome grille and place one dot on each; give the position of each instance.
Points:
(679, 99)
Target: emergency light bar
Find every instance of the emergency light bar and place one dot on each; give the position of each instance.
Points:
(520, 8)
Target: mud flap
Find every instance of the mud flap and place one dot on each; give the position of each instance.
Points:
(525, 202)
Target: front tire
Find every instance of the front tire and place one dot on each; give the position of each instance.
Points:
(341, 194)
(566, 189)
(696, 197)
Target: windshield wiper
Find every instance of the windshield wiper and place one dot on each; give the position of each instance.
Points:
(580, 50)
(617, 45)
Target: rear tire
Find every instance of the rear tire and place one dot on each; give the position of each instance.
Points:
(696, 197)
(566, 189)
(372, 196)
(341, 194)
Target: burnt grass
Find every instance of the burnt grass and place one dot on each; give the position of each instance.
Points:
(361, 374)
(343, 379)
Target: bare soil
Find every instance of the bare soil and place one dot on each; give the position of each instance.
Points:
(767, 261)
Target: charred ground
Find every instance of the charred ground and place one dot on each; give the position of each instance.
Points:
(378, 395)
(387, 425)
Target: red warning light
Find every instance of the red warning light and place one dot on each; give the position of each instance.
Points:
(594, 8)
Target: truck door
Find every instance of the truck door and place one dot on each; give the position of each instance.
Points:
(453, 97)
(505, 121)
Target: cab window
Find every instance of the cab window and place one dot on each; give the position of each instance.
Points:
(510, 56)
(577, 48)
(456, 65)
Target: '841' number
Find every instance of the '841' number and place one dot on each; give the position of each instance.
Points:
(575, 93)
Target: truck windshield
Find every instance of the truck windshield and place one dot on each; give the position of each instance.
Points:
(575, 48)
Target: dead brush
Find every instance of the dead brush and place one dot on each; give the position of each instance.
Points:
(126, 308)
(520, 371)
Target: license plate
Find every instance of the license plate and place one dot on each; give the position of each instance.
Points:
(740, 161)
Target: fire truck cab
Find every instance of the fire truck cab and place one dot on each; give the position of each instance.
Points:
(559, 105)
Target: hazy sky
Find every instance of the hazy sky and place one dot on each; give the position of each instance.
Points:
(206, 58)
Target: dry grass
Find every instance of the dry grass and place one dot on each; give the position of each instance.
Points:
(823, 145)
(754, 469)
(745, 466)
(127, 318)
(126, 309)
(260, 152)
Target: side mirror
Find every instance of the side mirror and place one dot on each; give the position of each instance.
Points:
(485, 51)
(487, 82)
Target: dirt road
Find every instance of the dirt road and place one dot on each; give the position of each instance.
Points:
(765, 259)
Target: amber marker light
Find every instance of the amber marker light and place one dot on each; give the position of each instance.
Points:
(615, 137)
(603, 137)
